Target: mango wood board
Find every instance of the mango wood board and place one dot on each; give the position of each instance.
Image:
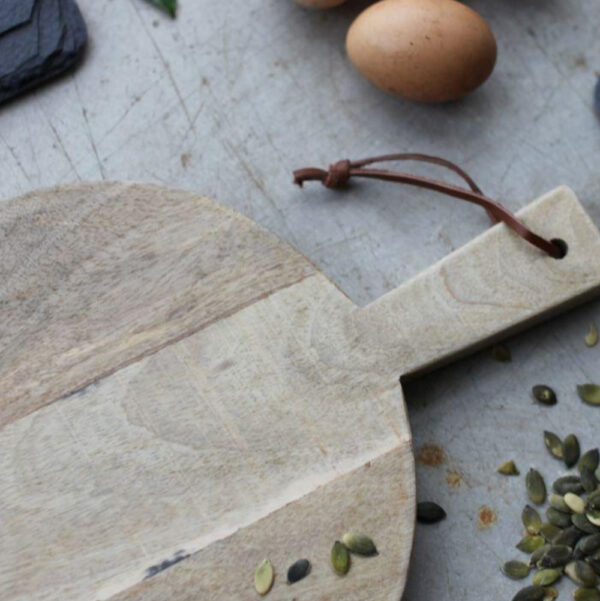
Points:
(182, 394)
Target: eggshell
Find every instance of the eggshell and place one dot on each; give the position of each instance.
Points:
(423, 50)
(320, 3)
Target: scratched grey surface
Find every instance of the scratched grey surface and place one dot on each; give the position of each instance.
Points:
(234, 94)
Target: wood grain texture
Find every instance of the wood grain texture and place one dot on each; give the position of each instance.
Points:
(241, 428)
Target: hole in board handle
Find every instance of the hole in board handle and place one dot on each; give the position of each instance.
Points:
(562, 246)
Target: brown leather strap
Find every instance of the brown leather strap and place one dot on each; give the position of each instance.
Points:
(340, 173)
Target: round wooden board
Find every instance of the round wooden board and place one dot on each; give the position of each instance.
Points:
(181, 396)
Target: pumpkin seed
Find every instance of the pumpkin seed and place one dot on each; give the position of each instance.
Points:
(569, 536)
(593, 516)
(595, 563)
(537, 555)
(340, 558)
(589, 393)
(517, 570)
(590, 460)
(575, 503)
(568, 484)
(429, 513)
(589, 544)
(588, 480)
(530, 593)
(550, 532)
(593, 501)
(359, 543)
(530, 542)
(550, 593)
(298, 570)
(536, 487)
(558, 518)
(555, 557)
(509, 468)
(570, 450)
(501, 353)
(553, 444)
(558, 502)
(546, 577)
(544, 394)
(591, 338)
(264, 577)
(581, 573)
(582, 522)
(531, 519)
(586, 594)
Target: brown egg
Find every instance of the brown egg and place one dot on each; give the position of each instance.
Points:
(320, 3)
(423, 50)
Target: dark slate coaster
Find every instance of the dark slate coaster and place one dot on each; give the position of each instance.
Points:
(39, 40)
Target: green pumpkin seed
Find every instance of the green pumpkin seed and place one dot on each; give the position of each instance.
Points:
(517, 570)
(586, 594)
(593, 501)
(509, 468)
(544, 394)
(537, 555)
(359, 543)
(570, 450)
(555, 557)
(529, 543)
(558, 518)
(593, 516)
(591, 338)
(536, 487)
(530, 593)
(429, 513)
(550, 593)
(581, 573)
(568, 484)
(569, 536)
(590, 394)
(590, 460)
(531, 519)
(546, 577)
(550, 532)
(574, 502)
(588, 480)
(298, 570)
(264, 577)
(582, 522)
(340, 558)
(553, 444)
(589, 544)
(501, 353)
(558, 502)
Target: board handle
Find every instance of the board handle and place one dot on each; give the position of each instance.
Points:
(489, 289)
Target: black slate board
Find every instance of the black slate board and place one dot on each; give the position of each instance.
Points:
(39, 40)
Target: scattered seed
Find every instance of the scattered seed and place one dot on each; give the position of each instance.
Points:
(558, 518)
(429, 513)
(544, 394)
(591, 338)
(586, 594)
(569, 536)
(537, 555)
(555, 557)
(536, 487)
(359, 543)
(589, 393)
(546, 577)
(570, 450)
(550, 532)
(590, 460)
(264, 577)
(530, 542)
(509, 468)
(340, 558)
(568, 484)
(581, 573)
(530, 593)
(298, 570)
(517, 570)
(501, 353)
(531, 519)
(582, 522)
(574, 502)
(553, 444)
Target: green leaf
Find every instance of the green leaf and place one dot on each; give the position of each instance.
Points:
(169, 6)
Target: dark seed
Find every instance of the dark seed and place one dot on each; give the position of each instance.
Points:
(581, 573)
(558, 518)
(298, 570)
(569, 536)
(538, 554)
(429, 513)
(570, 450)
(568, 484)
(584, 524)
(586, 594)
(593, 501)
(590, 394)
(553, 444)
(536, 487)
(544, 394)
(595, 563)
(550, 532)
(589, 544)
(588, 480)
(558, 502)
(531, 519)
(517, 570)
(530, 593)
(555, 557)
(589, 460)
(501, 353)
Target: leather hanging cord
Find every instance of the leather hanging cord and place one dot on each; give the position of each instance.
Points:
(341, 172)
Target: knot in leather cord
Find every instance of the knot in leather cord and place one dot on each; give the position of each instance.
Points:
(338, 175)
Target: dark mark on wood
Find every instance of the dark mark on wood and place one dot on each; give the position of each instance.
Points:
(167, 563)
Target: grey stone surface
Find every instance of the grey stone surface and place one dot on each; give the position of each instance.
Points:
(231, 96)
